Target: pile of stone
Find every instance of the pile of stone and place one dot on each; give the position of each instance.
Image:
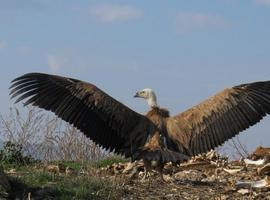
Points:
(206, 160)
(234, 179)
(129, 169)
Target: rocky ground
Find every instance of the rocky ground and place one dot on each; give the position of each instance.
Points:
(208, 176)
(204, 177)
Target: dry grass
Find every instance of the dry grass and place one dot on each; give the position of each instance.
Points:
(46, 137)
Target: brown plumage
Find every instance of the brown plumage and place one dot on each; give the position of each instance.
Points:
(156, 137)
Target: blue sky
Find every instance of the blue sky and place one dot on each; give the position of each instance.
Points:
(184, 50)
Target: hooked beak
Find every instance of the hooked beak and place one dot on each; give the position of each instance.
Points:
(137, 94)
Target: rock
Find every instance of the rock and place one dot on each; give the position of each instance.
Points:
(254, 162)
(128, 167)
(236, 163)
(167, 178)
(265, 170)
(211, 155)
(11, 171)
(192, 175)
(223, 197)
(52, 168)
(211, 178)
(141, 174)
(118, 168)
(233, 171)
(62, 168)
(260, 153)
(134, 172)
(254, 184)
(70, 171)
(169, 196)
(210, 160)
(243, 191)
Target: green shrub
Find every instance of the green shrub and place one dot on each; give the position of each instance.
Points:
(44, 185)
(12, 154)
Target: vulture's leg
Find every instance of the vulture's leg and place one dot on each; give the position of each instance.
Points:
(160, 171)
(147, 168)
(145, 174)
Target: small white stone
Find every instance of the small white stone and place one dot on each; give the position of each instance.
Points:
(243, 191)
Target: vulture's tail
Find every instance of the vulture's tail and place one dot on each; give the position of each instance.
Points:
(161, 155)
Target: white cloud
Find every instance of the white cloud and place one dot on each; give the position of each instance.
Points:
(55, 63)
(114, 13)
(263, 2)
(191, 21)
(3, 44)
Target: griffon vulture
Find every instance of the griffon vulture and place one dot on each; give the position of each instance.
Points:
(156, 137)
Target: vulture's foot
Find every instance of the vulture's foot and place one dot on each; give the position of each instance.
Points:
(146, 174)
(153, 165)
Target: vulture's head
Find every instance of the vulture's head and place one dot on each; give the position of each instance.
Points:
(149, 95)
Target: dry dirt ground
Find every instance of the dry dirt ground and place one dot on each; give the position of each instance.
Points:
(205, 177)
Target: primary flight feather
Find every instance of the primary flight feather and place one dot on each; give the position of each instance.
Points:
(155, 137)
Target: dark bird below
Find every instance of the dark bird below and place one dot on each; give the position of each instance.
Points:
(156, 137)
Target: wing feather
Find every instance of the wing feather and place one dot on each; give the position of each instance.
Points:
(219, 118)
(103, 119)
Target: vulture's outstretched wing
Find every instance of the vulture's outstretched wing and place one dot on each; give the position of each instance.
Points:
(104, 120)
(219, 118)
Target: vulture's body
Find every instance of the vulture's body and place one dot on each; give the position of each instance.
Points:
(156, 137)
